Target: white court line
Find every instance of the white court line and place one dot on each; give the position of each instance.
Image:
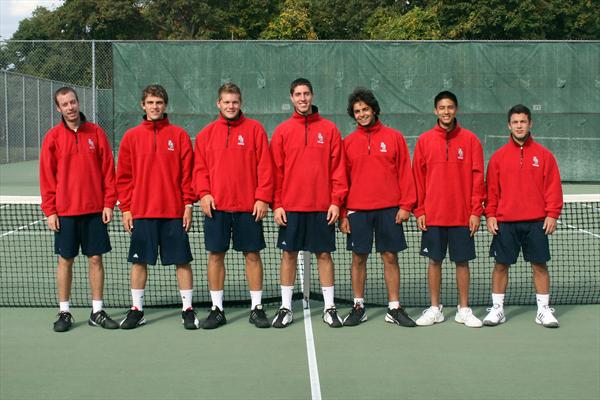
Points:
(579, 229)
(315, 384)
(21, 227)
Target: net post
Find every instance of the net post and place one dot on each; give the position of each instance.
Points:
(306, 279)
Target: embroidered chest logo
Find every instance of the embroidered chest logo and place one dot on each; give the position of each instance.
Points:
(91, 144)
(240, 141)
(171, 145)
(320, 138)
(460, 154)
(382, 147)
(535, 162)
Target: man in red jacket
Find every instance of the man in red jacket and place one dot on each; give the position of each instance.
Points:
(233, 178)
(380, 198)
(77, 183)
(310, 187)
(154, 184)
(448, 170)
(522, 169)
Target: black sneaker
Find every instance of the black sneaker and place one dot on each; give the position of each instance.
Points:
(189, 320)
(357, 315)
(258, 317)
(64, 322)
(400, 317)
(283, 318)
(331, 318)
(102, 319)
(215, 318)
(133, 319)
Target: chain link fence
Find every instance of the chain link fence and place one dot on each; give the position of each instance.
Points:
(30, 73)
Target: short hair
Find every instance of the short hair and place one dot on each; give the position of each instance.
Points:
(445, 95)
(364, 95)
(300, 82)
(230, 87)
(64, 90)
(155, 90)
(519, 109)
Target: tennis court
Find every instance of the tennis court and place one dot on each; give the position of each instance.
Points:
(517, 360)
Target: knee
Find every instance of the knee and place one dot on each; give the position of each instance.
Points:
(389, 259)
(95, 262)
(252, 257)
(290, 256)
(323, 257)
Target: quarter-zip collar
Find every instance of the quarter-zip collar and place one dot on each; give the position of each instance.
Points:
(447, 134)
(81, 122)
(231, 122)
(161, 123)
(527, 142)
(306, 118)
(369, 129)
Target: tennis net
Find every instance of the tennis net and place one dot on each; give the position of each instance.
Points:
(28, 265)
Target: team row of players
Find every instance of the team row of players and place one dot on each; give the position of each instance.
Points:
(311, 178)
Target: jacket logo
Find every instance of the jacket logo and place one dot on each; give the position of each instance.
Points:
(382, 147)
(91, 144)
(171, 145)
(320, 138)
(240, 141)
(461, 154)
(535, 162)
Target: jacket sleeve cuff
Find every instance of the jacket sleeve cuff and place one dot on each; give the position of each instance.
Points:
(553, 214)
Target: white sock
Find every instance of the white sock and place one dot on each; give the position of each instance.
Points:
(436, 308)
(186, 298)
(256, 297)
(217, 298)
(63, 306)
(328, 296)
(360, 301)
(498, 298)
(137, 297)
(286, 296)
(97, 305)
(392, 305)
(542, 300)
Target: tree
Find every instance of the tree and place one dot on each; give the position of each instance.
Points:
(293, 23)
(416, 24)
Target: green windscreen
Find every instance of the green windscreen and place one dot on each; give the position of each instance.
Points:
(558, 81)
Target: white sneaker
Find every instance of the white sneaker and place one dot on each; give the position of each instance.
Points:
(464, 315)
(495, 316)
(545, 317)
(431, 316)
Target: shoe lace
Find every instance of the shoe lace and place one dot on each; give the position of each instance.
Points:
(65, 316)
(101, 316)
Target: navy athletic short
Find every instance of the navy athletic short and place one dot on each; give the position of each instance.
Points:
(150, 234)
(512, 236)
(389, 236)
(307, 231)
(437, 240)
(87, 231)
(247, 234)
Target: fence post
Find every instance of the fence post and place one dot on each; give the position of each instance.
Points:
(39, 126)
(94, 81)
(6, 112)
(24, 134)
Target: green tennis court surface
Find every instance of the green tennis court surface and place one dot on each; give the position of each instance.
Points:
(517, 360)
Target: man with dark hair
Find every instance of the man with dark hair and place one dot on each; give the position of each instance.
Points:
(77, 183)
(380, 198)
(524, 200)
(448, 171)
(310, 187)
(154, 176)
(233, 178)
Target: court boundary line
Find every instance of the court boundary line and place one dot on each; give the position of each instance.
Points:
(313, 369)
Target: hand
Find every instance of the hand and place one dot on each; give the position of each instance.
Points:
(207, 203)
(549, 225)
(280, 217)
(474, 222)
(492, 225)
(127, 221)
(53, 223)
(333, 214)
(187, 218)
(402, 216)
(421, 223)
(107, 215)
(260, 210)
(345, 225)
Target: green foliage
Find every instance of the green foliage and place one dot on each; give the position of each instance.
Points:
(293, 23)
(416, 24)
